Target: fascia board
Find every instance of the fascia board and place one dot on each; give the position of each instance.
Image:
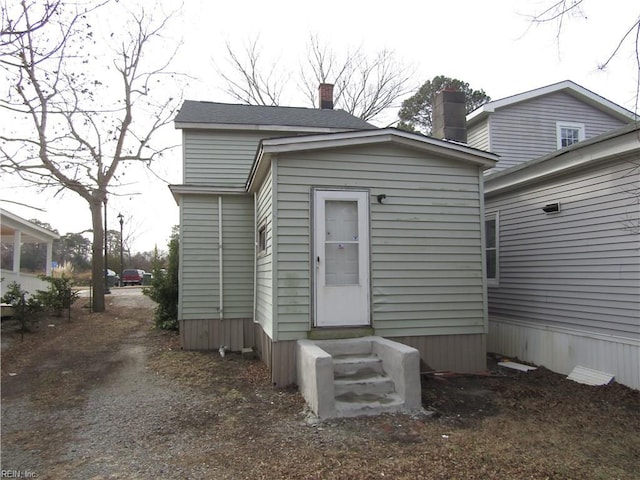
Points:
(18, 223)
(407, 139)
(559, 164)
(179, 191)
(570, 87)
(253, 127)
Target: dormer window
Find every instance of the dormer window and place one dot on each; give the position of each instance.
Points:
(569, 133)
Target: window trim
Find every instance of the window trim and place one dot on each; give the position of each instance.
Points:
(261, 240)
(569, 125)
(492, 282)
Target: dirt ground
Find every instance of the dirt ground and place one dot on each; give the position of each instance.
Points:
(105, 396)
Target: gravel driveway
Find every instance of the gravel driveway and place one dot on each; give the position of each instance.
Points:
(105, 396)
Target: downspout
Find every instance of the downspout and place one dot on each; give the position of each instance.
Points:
(220, 259)
(255, 257)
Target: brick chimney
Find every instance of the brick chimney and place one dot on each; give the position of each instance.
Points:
(449, 116)
(325, 94)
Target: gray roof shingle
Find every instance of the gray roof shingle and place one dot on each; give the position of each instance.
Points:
(225, 113)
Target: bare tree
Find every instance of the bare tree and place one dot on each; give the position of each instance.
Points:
(365, 86)
(249, 81)
(82, 101)
(559, 11)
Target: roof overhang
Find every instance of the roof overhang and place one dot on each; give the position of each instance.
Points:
(620, 143)
(31, 233)
(254, 127)
(180, 190)
(448, 149)
(583, 94)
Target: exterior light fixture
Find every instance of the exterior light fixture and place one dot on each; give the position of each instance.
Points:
(381, 198)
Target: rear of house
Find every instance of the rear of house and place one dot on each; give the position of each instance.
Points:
(299, 223)
(373, 232)
(564, 258)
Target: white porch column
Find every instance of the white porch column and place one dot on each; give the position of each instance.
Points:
(49, 258)
(17, 250)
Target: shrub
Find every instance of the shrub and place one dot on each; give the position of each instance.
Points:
(164, 289)
(59, 296)
(24, 308)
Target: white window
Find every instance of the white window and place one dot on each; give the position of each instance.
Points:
(262, 239)
(492, 237)
(569, 133)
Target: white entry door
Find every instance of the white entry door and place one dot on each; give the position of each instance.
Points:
(341, 258)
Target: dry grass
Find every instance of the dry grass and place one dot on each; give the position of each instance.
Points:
(516, 426)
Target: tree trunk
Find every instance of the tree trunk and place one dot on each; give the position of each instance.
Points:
(97, 263)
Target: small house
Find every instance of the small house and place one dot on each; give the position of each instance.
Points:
(303, 223)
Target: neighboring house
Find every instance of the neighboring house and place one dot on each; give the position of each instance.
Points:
(309, 223)
(563, 239)
(16, 232)
(535, 123)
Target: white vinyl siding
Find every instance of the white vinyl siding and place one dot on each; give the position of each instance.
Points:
(492, 248)
(264, 280)
(579, 268)
(527, 130)
(426, 270)
(478, 136)
(200, 267)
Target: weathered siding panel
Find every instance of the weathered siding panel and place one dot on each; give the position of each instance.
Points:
(264, 280)
(221, 158)
(238, 255)
(478, 136)
(577, 269)
(211, 334)
(527, 130)
(199, 266)
(426, 270)
(457, 353)
(562, 349)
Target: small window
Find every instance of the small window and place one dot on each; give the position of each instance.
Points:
(262, 238)
(569, 133)
(491, 233)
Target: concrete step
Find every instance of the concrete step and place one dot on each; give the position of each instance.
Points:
(373, 383)
(355, 366)
(355, 405)
(346, 347)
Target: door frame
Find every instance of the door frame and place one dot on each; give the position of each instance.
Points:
(366, 262)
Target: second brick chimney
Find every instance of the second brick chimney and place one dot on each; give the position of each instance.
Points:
(325, 94)
(449, 116)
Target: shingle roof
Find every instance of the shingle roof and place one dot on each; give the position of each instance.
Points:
(232, 114)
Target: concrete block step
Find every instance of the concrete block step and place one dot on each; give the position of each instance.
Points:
(354, 405)
(356, 365)
(346, 347)
(373, 383)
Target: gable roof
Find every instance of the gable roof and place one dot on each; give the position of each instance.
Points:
(226, 116)
(416, 141)
(567, 86)
(619, 142)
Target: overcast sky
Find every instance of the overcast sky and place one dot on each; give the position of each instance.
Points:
(489, 44)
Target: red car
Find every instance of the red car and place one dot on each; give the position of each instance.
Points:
(132, 276)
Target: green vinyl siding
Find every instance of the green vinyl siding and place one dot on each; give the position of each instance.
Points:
(199, 279)
(264, 261)
(238, 253)
(426, 250)
(199, 296)
(221, 158)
